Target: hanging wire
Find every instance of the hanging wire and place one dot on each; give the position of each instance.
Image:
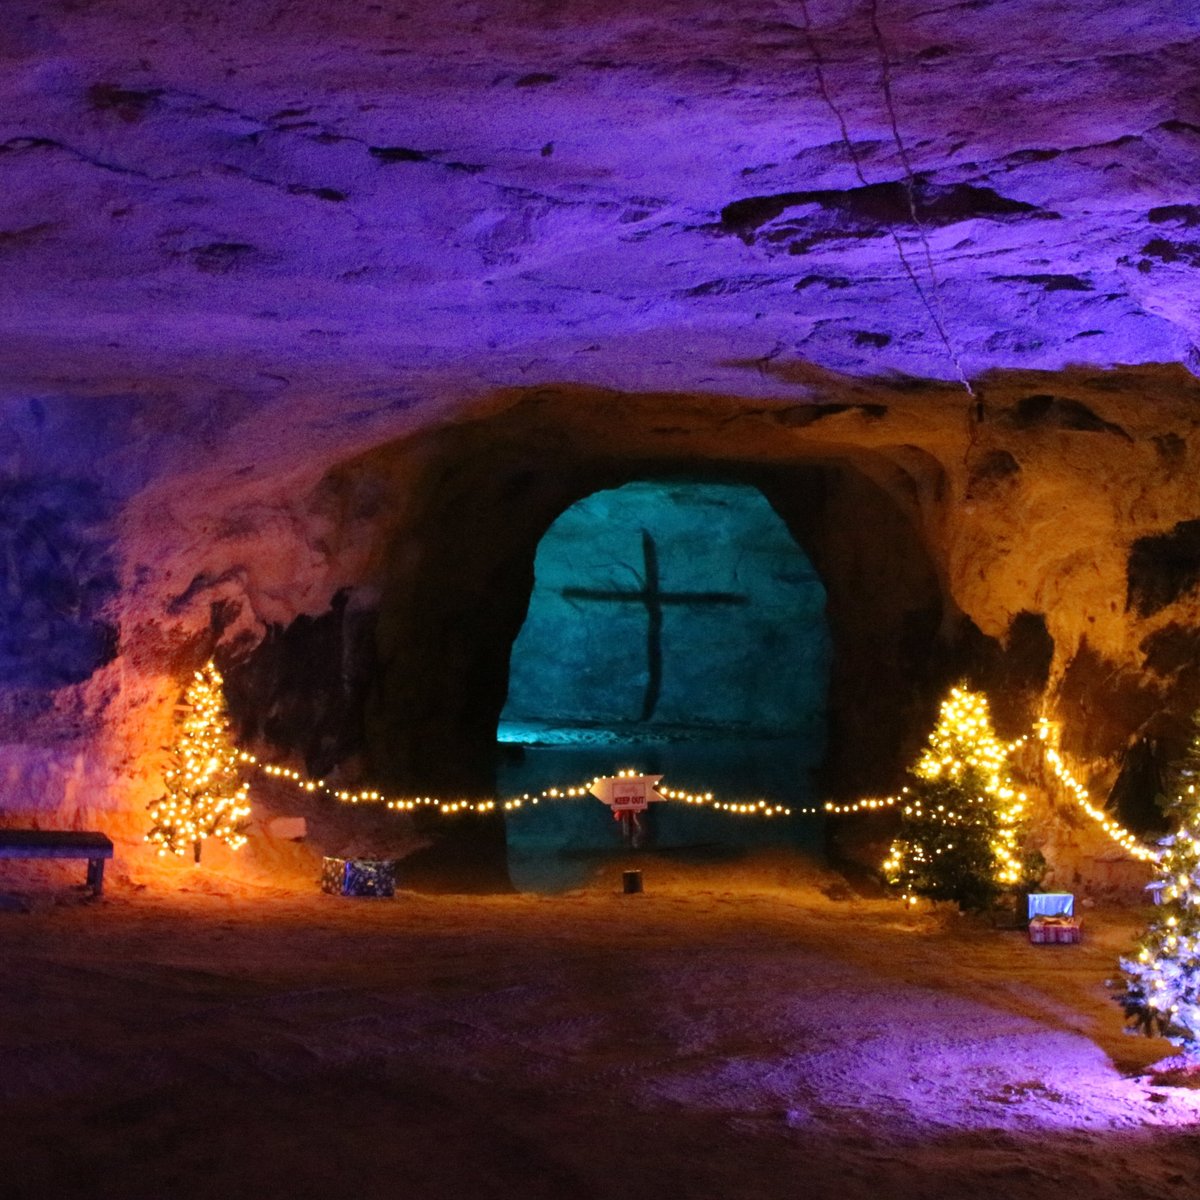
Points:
(910, 183)
(934, 307)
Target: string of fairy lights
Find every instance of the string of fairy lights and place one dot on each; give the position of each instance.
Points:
(1075, 791)
(1079, 794)
(204, 797)
(446, 808)
(760, 808)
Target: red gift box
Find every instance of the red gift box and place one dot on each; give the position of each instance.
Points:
(1046, 931)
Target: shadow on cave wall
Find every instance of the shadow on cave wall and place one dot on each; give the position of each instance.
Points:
(303, 689)
(1163, 567)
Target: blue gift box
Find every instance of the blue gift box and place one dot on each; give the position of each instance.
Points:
(358, 876)
(1051, 904)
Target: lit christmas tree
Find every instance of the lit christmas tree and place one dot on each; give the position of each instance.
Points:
(205, 797)
(961, 819)
(1160, 985)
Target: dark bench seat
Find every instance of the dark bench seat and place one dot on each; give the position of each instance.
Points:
(54, 843)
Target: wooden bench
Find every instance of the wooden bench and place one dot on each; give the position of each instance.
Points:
(53, 843)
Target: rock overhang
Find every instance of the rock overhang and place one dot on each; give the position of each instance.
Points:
(301, 207)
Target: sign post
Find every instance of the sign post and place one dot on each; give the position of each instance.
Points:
(628, 796)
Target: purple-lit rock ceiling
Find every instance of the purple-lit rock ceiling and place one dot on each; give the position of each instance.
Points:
(441, 199)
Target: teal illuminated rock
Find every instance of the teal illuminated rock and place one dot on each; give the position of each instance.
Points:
(667, 606)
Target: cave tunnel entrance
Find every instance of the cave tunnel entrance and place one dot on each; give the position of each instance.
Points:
(675, 627)
(460, 576)
(411, 687)
(480, 499)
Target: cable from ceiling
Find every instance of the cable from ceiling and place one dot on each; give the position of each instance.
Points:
(931, 297)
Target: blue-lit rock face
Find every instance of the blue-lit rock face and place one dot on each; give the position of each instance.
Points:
(673, 628)
(663, 607)
(57, 574)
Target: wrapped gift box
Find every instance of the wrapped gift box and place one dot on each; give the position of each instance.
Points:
(358, 876)
(1049, 931)
(1051, 904)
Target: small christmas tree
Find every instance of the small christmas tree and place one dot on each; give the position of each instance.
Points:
(204, 797)
(1160, 985)
(961, 819)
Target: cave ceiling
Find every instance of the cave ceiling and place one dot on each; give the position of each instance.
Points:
(277, 225)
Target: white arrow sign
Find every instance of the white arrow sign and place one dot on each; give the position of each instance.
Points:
(627, 793)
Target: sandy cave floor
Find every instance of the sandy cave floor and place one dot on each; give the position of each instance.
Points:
(745, 1030)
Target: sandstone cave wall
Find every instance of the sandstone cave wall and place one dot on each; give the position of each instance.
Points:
(1042, 543)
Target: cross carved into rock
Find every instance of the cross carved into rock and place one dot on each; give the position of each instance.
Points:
(655, 599)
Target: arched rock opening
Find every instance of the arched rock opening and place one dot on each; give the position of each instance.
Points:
(676, 628)
(668, 607)
(454, 574)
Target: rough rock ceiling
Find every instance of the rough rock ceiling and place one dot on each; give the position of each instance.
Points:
(364, 211)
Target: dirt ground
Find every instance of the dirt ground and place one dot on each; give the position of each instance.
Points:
(739, 1031)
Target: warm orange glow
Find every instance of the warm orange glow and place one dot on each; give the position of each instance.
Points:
(204, 796)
